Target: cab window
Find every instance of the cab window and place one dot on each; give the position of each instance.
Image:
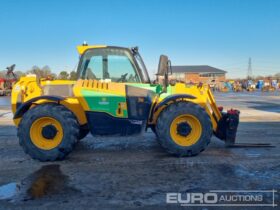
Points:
(114, 64)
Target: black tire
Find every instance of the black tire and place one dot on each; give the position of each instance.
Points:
(83, 132)
(163, 128)
(68, 123)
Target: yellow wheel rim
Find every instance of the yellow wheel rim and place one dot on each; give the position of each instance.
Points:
(36, 133)
(192, 137)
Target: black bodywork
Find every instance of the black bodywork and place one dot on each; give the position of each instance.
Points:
(101, 123)
(139, 102)
(227, 126)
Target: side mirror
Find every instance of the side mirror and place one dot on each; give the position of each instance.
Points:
(163, 65)
(163, 70)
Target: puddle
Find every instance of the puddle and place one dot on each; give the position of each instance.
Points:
(5, 101)
(253, 155)
(8, 190)
(46, 181)
(5, 114)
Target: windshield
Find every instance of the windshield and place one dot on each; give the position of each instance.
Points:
(112, 64)
(142, 67)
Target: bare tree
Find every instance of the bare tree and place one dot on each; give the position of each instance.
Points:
(45, 72)
(73, 75)
(63, 75)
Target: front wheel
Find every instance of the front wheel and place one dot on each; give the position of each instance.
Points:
(184, 129)
(48, 132)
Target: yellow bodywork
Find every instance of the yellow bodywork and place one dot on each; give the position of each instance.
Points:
(29, 87)
(98, 86)
(204, 98)
(81, 49)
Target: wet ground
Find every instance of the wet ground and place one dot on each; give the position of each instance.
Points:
(135, 172)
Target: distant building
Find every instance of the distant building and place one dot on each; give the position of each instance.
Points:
(196, 74)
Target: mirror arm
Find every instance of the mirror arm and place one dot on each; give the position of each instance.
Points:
(166, 79)
(165, 82)
(170, 66)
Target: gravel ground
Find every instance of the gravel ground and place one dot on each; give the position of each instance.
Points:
(134, 172)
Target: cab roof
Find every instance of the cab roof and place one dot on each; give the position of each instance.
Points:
(82, 48)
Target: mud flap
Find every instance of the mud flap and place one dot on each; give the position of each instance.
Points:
(227, 126)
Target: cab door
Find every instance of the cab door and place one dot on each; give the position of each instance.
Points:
(104, 73)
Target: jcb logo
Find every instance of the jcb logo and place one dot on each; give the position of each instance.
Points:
(192, 198)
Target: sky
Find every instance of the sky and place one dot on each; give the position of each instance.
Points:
(219, 33)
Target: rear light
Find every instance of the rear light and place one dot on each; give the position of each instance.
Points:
(220, 108)
(233, 112)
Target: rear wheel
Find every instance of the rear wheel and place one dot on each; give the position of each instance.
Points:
(184, 129)
(48, 132)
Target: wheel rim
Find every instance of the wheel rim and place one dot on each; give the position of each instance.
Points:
(192, 133)
(38, 133)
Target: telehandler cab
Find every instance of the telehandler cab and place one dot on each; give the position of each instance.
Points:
(114, 95)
